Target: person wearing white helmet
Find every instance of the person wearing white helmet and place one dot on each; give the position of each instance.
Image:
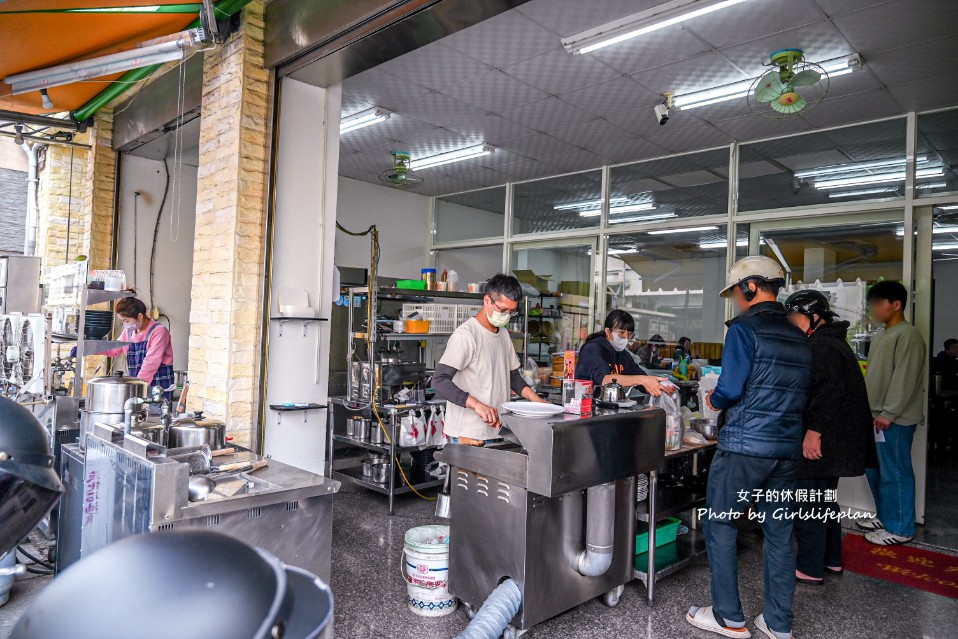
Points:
(763, 389)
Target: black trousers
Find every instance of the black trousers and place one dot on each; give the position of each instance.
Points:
(818, 529)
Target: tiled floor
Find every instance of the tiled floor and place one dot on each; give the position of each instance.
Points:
(370, 594)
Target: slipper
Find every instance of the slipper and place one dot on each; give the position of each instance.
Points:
(810, 582)
(704, 619)
(834, 571)
(761, 625)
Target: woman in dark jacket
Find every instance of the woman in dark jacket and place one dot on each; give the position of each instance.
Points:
(839, 439)
(603, 357)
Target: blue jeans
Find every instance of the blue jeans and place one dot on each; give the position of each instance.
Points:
(732, 479)
(893, 482)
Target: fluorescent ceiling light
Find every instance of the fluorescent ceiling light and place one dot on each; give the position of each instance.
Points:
(104, 65)
(936, 230)
(458, 155)
(641, 218)
(690, 229)
(638, 24)
(722, 244)
(618, 210)
(883, 189)
(737, 90)
(613, 251)
(932, 185)
(896, 176)
(950, 207)
(363, 119)
(854, 167)
(590, 204)
(944, 247)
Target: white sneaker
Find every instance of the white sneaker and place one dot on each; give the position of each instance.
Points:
(704, 618)
(761, 625)
(885, 538)
(870, 525)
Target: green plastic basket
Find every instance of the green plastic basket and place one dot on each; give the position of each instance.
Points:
(413, 285)
(665, 533)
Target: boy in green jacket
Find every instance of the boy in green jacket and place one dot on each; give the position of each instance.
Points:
(896, 371)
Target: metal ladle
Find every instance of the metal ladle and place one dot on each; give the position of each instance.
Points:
(200, 487)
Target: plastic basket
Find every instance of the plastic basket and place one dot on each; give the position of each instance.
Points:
(465, 312)
(442, 317)
(665, 533)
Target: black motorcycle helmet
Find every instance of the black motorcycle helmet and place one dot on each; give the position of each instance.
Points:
(186, 584)
(29, 487)
(812, 304)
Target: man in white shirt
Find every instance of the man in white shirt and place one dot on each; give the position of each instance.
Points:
(479, 367)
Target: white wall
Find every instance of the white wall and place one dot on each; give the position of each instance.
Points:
(946, 292)
(173, 275)
(400, 216)
(476, 264)
(304, 236)
(458, 222)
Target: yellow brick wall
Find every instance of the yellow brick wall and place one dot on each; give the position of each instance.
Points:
(229, 242)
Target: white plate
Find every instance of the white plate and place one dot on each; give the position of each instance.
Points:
(629, 403)
(532, 409)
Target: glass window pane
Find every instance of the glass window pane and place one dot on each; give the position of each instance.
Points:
(683, 186)
(561, 312)
(558, 203)
(864, 162)
(842, 261)
(471, 264)
(471, 216)
(670, 282)
(938, 147)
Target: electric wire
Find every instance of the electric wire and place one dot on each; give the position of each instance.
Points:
(34, 559)
(156, 230)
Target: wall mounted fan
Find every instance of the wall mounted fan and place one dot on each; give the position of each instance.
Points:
(792, 87)
(400, 176)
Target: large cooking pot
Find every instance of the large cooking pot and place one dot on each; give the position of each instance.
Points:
(155, 433)
(105, 398)
(195, 431)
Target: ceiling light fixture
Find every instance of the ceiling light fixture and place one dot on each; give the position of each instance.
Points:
(884, 189)
(721, 245)
(944, 247)
(45, 100)
(364, 119)
(936, 230)
(81, 70)
(690, 229)
(854, 167)
(735, 90)
(458, 155)
(590, 204)
(932, 185)
(619, 210)
(638, 24)
(877, 178)
(950, 207)
(642, 218)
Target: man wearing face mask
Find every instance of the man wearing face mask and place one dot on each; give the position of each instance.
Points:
(479, 367)
(149, 355)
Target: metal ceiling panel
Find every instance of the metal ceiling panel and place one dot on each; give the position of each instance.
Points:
(834, 8)
(635, 187)
(573, 161)
(819, 40)
(528, 170)
(494, 129)
(495, 91)
(701, 72)
(808, 160)
(690, 138)
(378, 87)
(655, 49)
(751, 20)
(568, 17)
(397, 127)
(899, 23)
(351, 105)
(435, 66)
(628, 151)
(856, 82)
(756, 169)
(439, 109)
(692, 178)
(718, 111)
(927, 94)
(550, 113)
(538, 145)
(613, 96)
(752, 127)
(591, 133)
(558, 72)
(644, 122)
(852, 108)
(435, 142)
(492, 200)
(916, 62)
(504, 39)
(500, 157)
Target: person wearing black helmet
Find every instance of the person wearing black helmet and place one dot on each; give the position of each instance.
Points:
(838, 434)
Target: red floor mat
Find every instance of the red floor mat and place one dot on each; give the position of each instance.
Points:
(905, 565)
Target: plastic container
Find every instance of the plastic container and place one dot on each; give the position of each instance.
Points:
(665, 533)
(414, 285)
(417, 327)
(6, 583)
(429, 276)
(425, 567)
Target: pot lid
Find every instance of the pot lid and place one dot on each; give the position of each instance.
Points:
(118, 377)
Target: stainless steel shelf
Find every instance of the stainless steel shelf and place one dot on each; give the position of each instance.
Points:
(669, 502)
(672, 557)
(91, 346)
(387, 292)
(355, 476)
(379, 448)
(410, 337)
(99, 296)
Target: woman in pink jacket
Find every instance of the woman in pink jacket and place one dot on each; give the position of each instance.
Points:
(149, 355)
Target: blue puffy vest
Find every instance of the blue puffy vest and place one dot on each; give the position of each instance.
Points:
(767, 421)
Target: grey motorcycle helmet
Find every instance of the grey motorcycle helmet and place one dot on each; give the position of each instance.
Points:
(29, 486)
(186, 584)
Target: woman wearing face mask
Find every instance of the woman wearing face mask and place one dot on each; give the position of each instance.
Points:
(603, 357)
(149, 355)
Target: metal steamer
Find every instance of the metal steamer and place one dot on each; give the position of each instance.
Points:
(106, 401)
(553, 509)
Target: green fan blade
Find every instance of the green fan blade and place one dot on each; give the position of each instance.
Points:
(794, 107)
(769, 87)
(805, 78)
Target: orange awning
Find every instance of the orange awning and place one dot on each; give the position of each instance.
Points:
(32, 41)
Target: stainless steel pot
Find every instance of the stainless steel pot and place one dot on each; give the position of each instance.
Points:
(376, 434)
(357, 427)
(195, 431)
(108, 394)
(612, 393)
(707, 427)
(380, 471)
(362, 429)
(155, 433)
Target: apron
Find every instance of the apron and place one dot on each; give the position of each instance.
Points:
(135, 355)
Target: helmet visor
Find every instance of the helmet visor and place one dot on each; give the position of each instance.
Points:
(22, 505)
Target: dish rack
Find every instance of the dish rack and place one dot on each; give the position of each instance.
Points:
(443, 318)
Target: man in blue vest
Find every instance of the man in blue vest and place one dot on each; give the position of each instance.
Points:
(766, 373)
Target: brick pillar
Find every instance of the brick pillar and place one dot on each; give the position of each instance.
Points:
(229, 242)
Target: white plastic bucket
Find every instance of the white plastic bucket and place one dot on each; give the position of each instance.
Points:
(425, 567)
(6, 583)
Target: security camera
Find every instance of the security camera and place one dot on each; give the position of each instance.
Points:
(662, 110)
(662, 113)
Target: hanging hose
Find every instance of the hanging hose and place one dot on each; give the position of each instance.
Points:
(491, 620)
